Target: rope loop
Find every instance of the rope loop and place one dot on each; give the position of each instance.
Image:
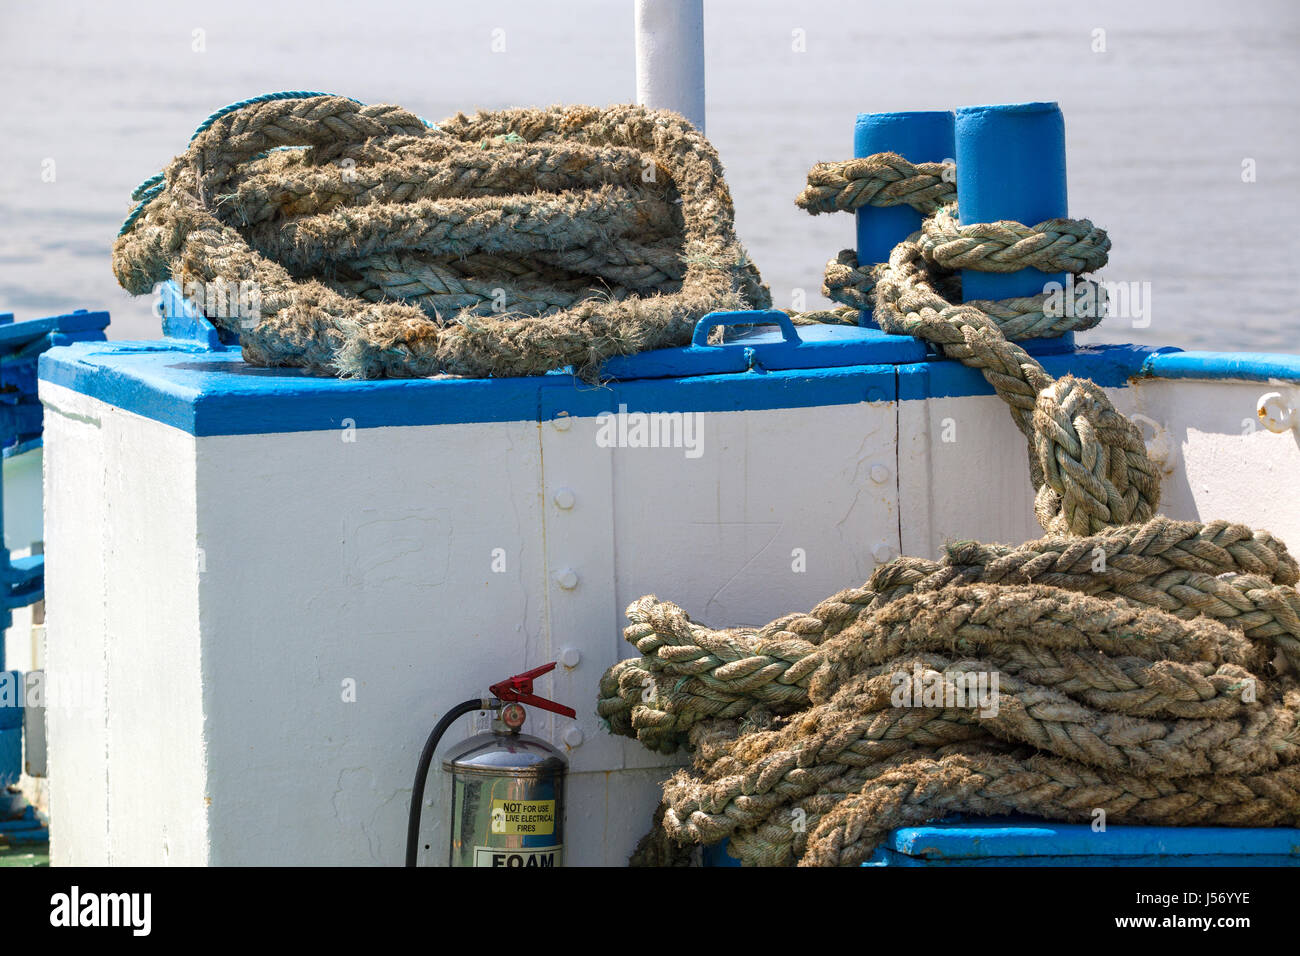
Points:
(512, 242)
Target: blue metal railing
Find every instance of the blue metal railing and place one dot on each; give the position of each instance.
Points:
(22, 580)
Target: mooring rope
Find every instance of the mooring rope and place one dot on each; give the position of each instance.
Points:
(512, 242)
(1146, 667)
(1088, 463)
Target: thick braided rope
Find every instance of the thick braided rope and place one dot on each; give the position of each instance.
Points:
(1125, 703)
(1057, 245)
(1131, 561)
(843, 823)
(688, 673)
(1088, 463)
(509, 243)
(887, 179)
(1121, 679)
(764, 768)
(1220, 570)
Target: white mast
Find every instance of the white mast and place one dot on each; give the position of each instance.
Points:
(670, 56)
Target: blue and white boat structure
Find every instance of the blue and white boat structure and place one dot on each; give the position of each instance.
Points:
(276, 580)
(239, 548)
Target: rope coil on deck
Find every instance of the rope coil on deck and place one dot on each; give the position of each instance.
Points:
(1147, 667)
(512, 242)
(1173, 710)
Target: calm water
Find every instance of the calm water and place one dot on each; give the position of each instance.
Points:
(1158, 126)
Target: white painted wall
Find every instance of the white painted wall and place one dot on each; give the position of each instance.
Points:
(75, 460)
(1226, 465)
(126, 761)
(237, 582)
(975, 485)
(1219, 463)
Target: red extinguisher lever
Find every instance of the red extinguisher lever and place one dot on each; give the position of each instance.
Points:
(520, 688)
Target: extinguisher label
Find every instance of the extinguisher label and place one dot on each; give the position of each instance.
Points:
(533, 857)
(523, 817)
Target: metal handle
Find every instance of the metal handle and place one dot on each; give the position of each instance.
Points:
(753, 317)
(519, 689)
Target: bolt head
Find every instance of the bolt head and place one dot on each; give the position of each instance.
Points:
(573, 737)
(565, 499)
(570, 657)
(879, 474)
(567, 579)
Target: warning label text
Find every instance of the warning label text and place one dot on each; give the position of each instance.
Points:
(523, 817)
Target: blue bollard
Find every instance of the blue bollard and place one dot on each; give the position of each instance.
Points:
(924, 136)
(1010, 165)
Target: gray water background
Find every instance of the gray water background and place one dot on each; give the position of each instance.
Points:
(1157, 126)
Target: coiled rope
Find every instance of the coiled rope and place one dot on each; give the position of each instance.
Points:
(512, 242)
(1147, 667)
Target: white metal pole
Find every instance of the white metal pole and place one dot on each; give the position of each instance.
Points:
(670, 56)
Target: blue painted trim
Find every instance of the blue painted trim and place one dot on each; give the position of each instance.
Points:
(23, 447)
(922, 136)
(1211, 366)
(1028, 841)
(1058, 344)
(809, 347)
(745, 391)
(1010, 165)
(22, 581)
(212, 392)
(887, 857)
(1029, 837)
(1024, 841)
(1110, 366)
(28, 822)
(14, 336)
(181, 319)
(700, 337)
(31, 828)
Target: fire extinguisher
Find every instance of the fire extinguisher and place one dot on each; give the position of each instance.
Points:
(507, 806)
